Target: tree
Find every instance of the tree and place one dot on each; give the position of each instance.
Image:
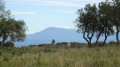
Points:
(116, 17)
(53, 42)
(11, 29)
(3, 12)
(104, 19)
(86, 22)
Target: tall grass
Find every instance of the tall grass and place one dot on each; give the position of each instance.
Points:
(108, 56)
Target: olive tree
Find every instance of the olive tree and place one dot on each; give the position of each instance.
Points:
(86, 22)
(105, 25)
(11, 29)
(116, 17)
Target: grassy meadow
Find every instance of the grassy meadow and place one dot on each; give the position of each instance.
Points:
(54, 56)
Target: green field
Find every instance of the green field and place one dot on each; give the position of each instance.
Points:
(35, 56)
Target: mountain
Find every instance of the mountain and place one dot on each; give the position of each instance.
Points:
(58, 34)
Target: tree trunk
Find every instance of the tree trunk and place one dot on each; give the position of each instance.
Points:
(2, 43)
(90, 38)
(116, 24)
(84, 37)
(105, 39)
(98, 38)
(89, 43)
(117, 35)
(5, 36)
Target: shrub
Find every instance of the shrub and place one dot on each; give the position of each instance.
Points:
(72, 44)
(62, 43)
(44, 45)
(9, 44)
(6, 59)
(98, 44)
(32, 46)
(0, 52)
(112, 42)
(77, 44)
(53, 42)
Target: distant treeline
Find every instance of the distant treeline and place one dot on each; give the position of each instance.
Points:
(74, 45)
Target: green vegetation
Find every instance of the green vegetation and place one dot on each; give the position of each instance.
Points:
(54, 56)
(93, 20)
(53, 42)
(10, 29)
(99, 20)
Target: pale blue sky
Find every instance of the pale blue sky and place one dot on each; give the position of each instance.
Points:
(40, 14)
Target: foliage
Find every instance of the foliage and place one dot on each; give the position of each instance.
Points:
(115, 5)
(62, 43)
(107, 56)
(77, 45)
(112, 42)
(53, 42)
(9, 44)
(105, 21)
(10, 28)
(99, 20)
(43, 45)
(87, 22)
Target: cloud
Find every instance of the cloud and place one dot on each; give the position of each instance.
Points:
(23, 13)
(65, 3)
(60, 3)
(49, 3)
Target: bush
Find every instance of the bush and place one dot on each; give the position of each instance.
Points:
(44, 45)
(77, 44)
(32, 46)
(6, 59)
(0, 52)
(98, 44)
(9, 44)
(112, 43)
(72, 44)
(62, 43)
(53, 42)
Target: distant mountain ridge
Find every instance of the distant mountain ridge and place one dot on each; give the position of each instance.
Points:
(58, 34)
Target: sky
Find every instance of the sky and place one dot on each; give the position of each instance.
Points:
(41, 14)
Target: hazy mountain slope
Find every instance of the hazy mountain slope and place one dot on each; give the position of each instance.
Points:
(58, 34)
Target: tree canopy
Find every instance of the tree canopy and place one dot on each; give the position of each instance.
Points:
(86, 22)
(99, 20)
(11, 29)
